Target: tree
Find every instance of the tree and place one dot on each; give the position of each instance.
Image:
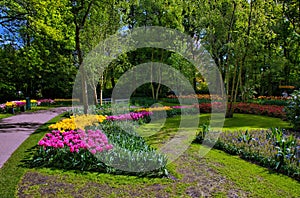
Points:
(40, 33)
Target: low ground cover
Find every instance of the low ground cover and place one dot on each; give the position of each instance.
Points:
(216, 175)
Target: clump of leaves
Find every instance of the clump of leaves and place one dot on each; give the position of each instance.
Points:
(285, 146)
(200, 136)
(293, 109)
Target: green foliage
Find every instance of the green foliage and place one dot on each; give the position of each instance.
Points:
(285, 146)
(268, 102)
(293, 109)
(131, 151)
(64, 159)
(245, 137)
(142, 101)
(272, 148)
(200, 136)
(130, 155)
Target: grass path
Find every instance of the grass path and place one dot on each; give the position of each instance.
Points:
(217, 174)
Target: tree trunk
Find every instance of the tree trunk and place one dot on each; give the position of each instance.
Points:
(152, 85)
(95, 95)
(229, 113)
(101, 90)
(82, 70)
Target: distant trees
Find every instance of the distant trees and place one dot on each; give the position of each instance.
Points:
(255, 44)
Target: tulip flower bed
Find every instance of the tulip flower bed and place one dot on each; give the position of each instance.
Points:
(267, 110)
(247, 108)
(272, 148)
(77, 122)
(129, 116)
(45, 102)
(74, 149)
(12, 106)
(17, 106)
(202, 98)
(99, 143)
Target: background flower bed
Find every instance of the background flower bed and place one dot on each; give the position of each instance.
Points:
(258, 109)
(20, 105)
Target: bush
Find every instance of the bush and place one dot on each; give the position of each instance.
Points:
(293, 109)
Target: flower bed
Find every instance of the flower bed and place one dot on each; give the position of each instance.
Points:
(267, 110)
(12, 107)
(45, 102)
(99, 143)
(247, 108)
(77, 122)
(270, 100)
(16, 106)
(270, 148)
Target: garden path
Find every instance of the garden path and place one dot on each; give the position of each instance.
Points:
(16, 129)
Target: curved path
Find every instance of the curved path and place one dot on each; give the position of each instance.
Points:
(16, 129)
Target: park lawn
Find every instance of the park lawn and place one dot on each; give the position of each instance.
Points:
(158, 132)
(5, 115)
(216, 174)
(38, 108)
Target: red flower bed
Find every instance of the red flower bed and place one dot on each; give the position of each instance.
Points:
(267, 110)
(250, 108)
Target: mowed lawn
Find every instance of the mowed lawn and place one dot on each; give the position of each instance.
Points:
(216, 174)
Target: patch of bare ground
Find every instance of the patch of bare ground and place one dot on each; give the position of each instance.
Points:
(198, 179)
(203, 179)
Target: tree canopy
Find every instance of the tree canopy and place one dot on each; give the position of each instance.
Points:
(254, 43)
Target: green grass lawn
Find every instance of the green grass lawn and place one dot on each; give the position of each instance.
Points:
(158, 131)
(216, 174)
(5, 115)
(38, 108)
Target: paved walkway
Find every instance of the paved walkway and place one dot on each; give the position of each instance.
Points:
(16, 129)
